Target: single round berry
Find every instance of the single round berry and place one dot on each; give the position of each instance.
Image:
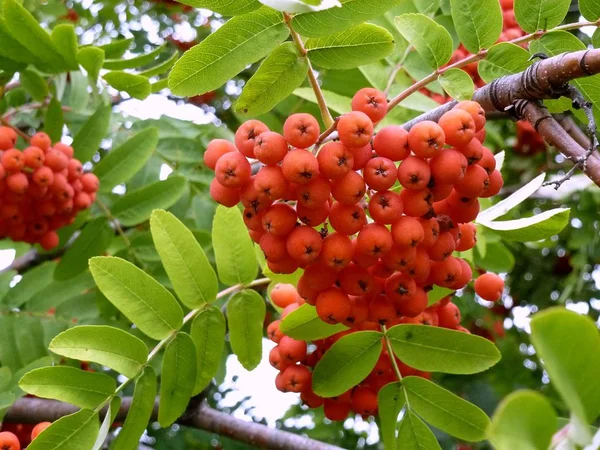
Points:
(372, 102)
(301, 130)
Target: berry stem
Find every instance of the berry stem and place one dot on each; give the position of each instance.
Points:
(325, 114)
(478, 57)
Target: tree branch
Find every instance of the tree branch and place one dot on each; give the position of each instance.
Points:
(202, 416)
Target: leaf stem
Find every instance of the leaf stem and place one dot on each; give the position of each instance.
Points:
(395, 367)
(478, 57)
(325, 114)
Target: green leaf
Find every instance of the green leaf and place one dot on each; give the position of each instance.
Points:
(137, 206)
(93, 240)
(534, 228)
(540, 14)
(88, 139)
(68, 384)
(390, 400)
(304, 324)
(108, 346)
(503, 59)
(430, 40)
(279, 74)
(356, 46)
(33, 281)
(29, 336)
(125, 161)
(11, 48)
(193, 278)
(245, 316)
(438, 293)
(224, 7)
(73, 432)
(135, 62)
(137, 295)
(137, 86)
(524, 420)
(208, 334)
(590, 9)
(349, 361)
(413, 434)
(159, 85)
(569, 346)
(241, 41)
(181, 149)
(518, 197)
(54, 120)
(8, 68)
(478, 23)
(335, 102)
(111, 412)
(434, 349)
(34, 84)
(25, 29)
(59, 292)
(9, 353)
(178, 377)
(444, 410)
(458, 84)
(139, 413)
(116, 48)
(65, 40)
(91, 59)
(497, 258)
(162, 67)
(352, 12)
(428, 7)
(236, 263)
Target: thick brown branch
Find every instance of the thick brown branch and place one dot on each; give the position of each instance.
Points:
(202, 416)
(573, 129)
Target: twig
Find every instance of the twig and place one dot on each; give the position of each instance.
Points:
(478, 57)
(325, 114)
(6, 123)
(201, 416)
(397, 69)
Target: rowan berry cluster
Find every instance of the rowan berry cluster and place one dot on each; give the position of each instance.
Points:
(22, 435)
(42, 188)
(400, 204)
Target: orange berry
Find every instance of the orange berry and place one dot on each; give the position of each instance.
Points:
(448, 166)
(274, 332)
(361, 155)
(270, 183)
(333, 306)
(392, 142)
(41, 140)
(414, 173)
(335, 160)
(355, 129)
(489, 286)
(13, 160)
(426, 139)
(476, 112)
(474, 183)
(356, 280)
(385, 207)
(270, 148)
(39, 428)
(372, 102)
(416, 203)
(347, 219)
(215, 149)
(9, 441)
(90, 183)
(233, 170)
(300, 166)
(246, 134)
(49, 241)
(304, 245)
(56, 160)
(380, 173)
(458, 126)
(349, 189)
(223, 195)
(495, 184)
(17, 183)
(292, 350)
(337, 251)
(364, 401)
(407, 231)
(279, 219)
(336, 411)
(8, 138)
(34, 157)
(301, 130)
(65, 149)
(313, 216)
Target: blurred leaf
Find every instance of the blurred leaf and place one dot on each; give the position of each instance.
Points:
(534, 228)
(116, 48)
(279, 74)
(123, 162)
(236, 263)
(161, 67)
(438, 293)
(181, 149)
(208, 334)
(541, 14)
(503, 59)
(352, 12)
(59, 292)
(335, 102)
(54, 120)
(65, 40)
(193, 278)
(87, 141)
(139, 413)
(137, 206)
(390, 400)
(137, 86)
(430, 40)
(108, 346)
(245, 316)
(356, 46)
(497, 258)
(73, 432)
(93, 240)
(346, 363)
(304, 324)
(29, 336)
(241, 41)
(33, 281)
(413, 434)
(135, 62)
(68, 384)
(34, 84)
(436, 349)
(590, 9)
(446, 411)
(569, 346)
(91, 59)
(178, 377)
(224, 7)
(524, 420)
(458, 84)
(478, 22)
(137, 295)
